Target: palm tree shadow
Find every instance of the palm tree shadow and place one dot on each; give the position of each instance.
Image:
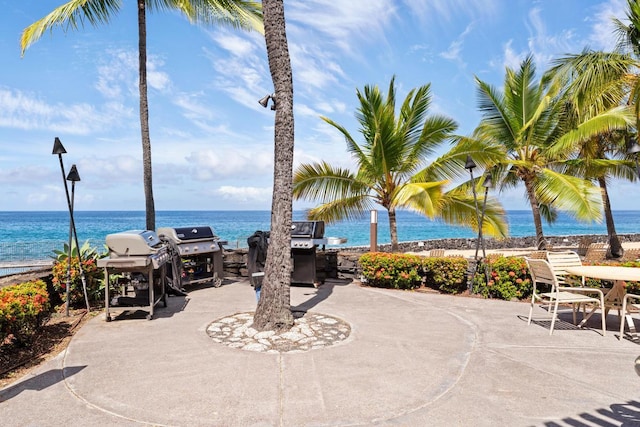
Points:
(322, 292)
(40, 381)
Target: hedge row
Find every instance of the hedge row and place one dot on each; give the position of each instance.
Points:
(508, 276)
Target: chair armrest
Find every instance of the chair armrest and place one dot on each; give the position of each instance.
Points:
(581, 289)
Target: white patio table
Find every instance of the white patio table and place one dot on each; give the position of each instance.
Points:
(615, 274)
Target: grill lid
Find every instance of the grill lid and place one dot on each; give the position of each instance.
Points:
(185, 234)
(133, 242)
(309, 229)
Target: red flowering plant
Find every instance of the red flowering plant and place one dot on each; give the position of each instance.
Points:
(93, 275)
(508, 278)
(23, 307)
(398, 271)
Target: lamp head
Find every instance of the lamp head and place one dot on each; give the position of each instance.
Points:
(73, 175)
(488, 181)
(264, 101)
(58, 148)
(470, 164)
(633, 146)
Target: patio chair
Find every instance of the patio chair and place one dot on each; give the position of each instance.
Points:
(627, 307)
(560, 261)
(538, 254)
(632, 254)
(583, 245)
(542, 273)
(436, 252)
(596, 252)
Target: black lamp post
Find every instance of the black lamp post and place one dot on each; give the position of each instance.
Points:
(470, 165)
(634, 148)
(74, 176)
(58, 149)
(487, 184)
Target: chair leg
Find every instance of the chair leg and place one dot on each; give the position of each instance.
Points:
(533, 299)
(623, 317)
(554, 315)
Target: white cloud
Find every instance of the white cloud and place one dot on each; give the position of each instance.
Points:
(250, 195)
(602, 29)
(209, 165)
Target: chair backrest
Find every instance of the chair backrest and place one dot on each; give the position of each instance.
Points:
(538, 255)
(596, 252)
(541, 272)
(631, 254)
(560, 260)
(583, 245)
(436, 252)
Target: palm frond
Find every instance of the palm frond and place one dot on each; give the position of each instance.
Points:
(577, 196)
(422, 197)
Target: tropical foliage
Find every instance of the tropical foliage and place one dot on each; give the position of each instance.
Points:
(392, 166)
(23, 308)
(518, 136)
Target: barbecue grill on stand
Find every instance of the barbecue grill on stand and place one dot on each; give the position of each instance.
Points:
(134, 271)
(196, 255)
(306, 236)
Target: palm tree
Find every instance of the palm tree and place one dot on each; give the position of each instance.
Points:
(71, 15)
(392, 170)
(274, 307)
(524, 121)
(595, 83)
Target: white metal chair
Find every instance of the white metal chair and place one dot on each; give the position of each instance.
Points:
(627, 306)
(560, 261)
(542, 273)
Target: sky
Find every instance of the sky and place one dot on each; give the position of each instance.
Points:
(212, 143)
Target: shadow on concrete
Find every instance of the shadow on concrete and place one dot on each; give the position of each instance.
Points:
(40, 381)
(620, 414)
(318, 295)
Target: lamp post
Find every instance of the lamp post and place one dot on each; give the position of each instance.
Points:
(470, 165)
(74, 176)
(634, 148)
(373, 231)
(58, 149)
(487, 184)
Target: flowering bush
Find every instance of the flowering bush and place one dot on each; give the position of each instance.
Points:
(445, 274)
(93, 275)
(508, 278)
(398, 271)
(22, 309)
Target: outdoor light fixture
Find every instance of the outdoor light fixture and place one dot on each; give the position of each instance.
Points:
(470, 165)
(73, 176)
(634, 148)
(264, 101)
(487, 184)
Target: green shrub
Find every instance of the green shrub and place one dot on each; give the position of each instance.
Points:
(508, 278)
(446, 274)
(398, 271)
(93, 275)
(22, 310)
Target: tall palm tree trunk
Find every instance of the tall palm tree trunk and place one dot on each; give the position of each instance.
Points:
(537, 219)
(393, 229)
(615, 247)
(150, 210)
(274, 307)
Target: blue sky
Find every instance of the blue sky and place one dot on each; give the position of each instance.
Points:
(212, 143)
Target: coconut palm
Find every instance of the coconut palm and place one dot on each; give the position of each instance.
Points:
(392, 169)
(597, 83)
(526, 120)
(73, 14)
(274, 307)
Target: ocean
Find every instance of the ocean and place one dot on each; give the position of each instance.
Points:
(236, 226)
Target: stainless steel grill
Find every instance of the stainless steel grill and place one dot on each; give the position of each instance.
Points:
(196, 254)
(138, 259)
(306, 236)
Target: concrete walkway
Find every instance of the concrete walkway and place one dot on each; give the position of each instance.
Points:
(412, 359)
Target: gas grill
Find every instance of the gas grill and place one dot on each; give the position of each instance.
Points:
(306, 236)
(196, 255)
(137, 259)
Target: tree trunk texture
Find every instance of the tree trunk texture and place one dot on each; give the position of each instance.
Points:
(537, 220)
(393, 229)
(615, 247)
(144, 118)
(274, 308)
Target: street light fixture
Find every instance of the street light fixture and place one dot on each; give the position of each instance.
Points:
(73, 176)
(264, 101)
(470, 165)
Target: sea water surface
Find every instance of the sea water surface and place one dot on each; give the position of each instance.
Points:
(236, 226)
